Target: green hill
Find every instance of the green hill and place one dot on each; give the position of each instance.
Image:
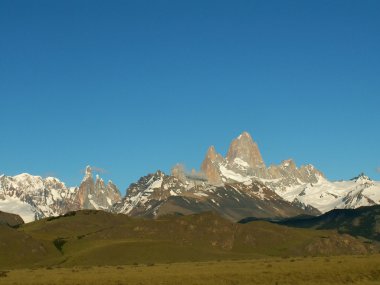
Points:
(90, 238)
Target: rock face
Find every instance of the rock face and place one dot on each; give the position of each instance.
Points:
(96, 194)
(10, 220)
(245, 149)
(34, 197)
(244, 162)
(210, 165)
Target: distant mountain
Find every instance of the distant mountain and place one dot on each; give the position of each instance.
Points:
(244, 163)
(236, 186)
(34, 197)
(326, 195)
(159, 194)
(241, 185)
(305, 186)
(95, 194)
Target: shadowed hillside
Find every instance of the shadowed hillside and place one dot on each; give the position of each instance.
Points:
(363, 222)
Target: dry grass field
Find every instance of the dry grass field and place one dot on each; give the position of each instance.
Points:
(292, 271)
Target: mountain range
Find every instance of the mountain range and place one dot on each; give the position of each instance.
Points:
(34, 197)
(236, 186)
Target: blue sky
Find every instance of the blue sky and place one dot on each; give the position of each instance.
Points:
(136, 86)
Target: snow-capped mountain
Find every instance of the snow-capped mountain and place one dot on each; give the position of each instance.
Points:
(159, 194)
(326, 195)
(34, 197)
(305, 185)
(237, 185)
(96, 194)
(241, 185)
(244, 162)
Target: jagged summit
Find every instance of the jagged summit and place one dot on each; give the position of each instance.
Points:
(244, 162)
(236, 186)
(361, 178)
(159, 194)
(288, 163)
(243, 135)
(245, 149)
(94, 194)
(212, 154)
(210, 165)
(88, 170)
(87, 173)
(35, 197)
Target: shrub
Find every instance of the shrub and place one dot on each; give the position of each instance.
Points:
(3, 274)
(58, 243)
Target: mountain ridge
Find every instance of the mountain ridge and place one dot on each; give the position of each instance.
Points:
(158, 193)
(236, 186)
(305, 185)
(34, 197)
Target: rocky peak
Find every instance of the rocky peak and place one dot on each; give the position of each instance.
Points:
(99, 183)
(99, 179)
(159, 173)
(289, 164)
(95, 194)
(88, 173)
(11, 220)
(210, 165)
(111, 184)
(35, 197)
(244, 161)
(362, 178)
(178, 171)
(244, 148)
(212, 154)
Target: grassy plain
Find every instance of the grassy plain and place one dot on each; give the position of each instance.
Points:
(300, 270)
